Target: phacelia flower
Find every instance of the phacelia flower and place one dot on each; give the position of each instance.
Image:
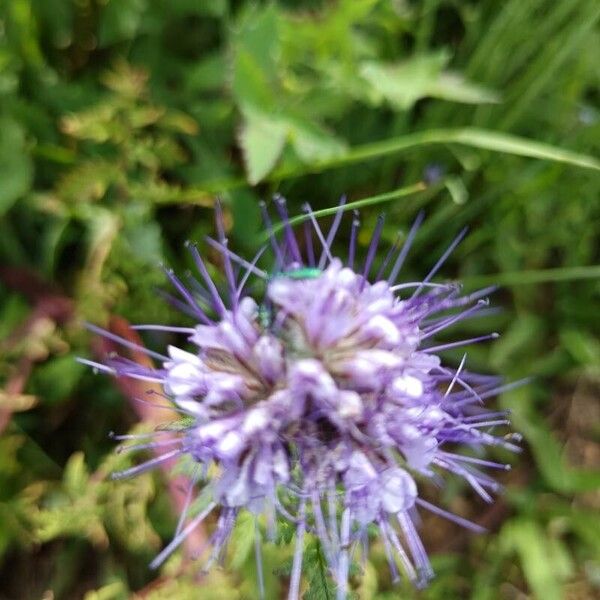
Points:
(323, 401)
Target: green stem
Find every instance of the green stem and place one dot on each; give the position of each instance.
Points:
(484, 139)
(513, 278)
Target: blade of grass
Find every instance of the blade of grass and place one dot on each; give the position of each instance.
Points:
(468, 136)
(483, 139)
(513, 278)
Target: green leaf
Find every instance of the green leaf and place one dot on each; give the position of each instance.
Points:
(468, 136)
(262, 139)
(16, 168)
(544, 560)
(76, 475)
(457, 189)
(402, 84)
(546, 449)
(256, 46)
(454, 87)
(120, 20)
(251, 86)
(313, 143)
(582, 346)
(531, 277)
(55, 380)
(320, 585)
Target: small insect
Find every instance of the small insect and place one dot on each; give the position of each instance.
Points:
(177, 425)
(298, 274)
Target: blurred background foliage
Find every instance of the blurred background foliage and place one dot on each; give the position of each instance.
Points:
(119, 122)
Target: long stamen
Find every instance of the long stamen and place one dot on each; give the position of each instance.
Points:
(372, 249)
(405, 248)
(388, 551)
(274, 243)
(454, 319)
(259, 561)
(249, 270)
(393, 249)
(217, 301)
(251, 266)
(183, 307)
(450, 516)
(149, 464)
(456, 375)
(188, 500)
(294, 590)
(353, 238)
(169, 329)
(457, 240)
(191, 301)
(308, 244)
(178, 539)
(228, 267)
(334, 227)
(290, 238)
(343, 559)
(124, 342)
(491, 336)
(318, 231)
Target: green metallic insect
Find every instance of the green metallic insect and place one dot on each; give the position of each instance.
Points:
(299, 273)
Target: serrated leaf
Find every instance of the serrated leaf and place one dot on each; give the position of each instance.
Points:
(313, 143)
(262, 139)
(320, 585)
(257, 34)
(256, 46)
(251, 86)
(402, 84)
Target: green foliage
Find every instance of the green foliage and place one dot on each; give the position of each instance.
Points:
(121, 120)
(319, 584)
(89, 505)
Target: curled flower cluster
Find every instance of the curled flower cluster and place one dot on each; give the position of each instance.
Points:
(324, 402)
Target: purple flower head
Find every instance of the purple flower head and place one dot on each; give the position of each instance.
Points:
(324, 401)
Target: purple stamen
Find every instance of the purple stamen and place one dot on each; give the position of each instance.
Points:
(405, 248)
(457, 240)
(353, 237)
(334, 227)
(372, 249)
